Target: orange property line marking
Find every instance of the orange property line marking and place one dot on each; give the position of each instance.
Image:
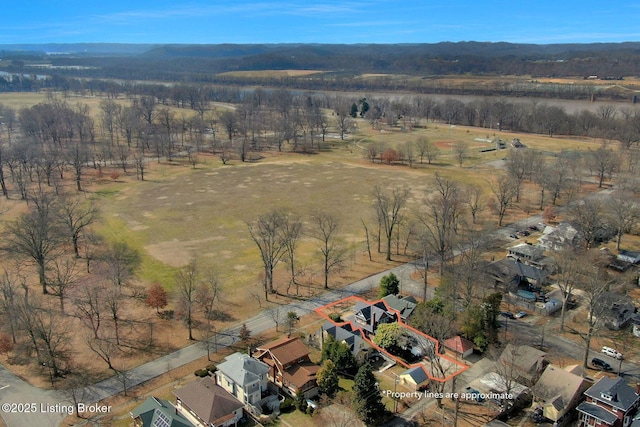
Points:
(321, 312)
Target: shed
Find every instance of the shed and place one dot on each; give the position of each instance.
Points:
(414, 377)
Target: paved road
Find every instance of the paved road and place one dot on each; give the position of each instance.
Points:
(27, 403)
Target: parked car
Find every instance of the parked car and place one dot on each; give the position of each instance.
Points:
(521, 314)
(600, 364)
(612, 352)
(533, 227)
(475, 394)
(507, 314)
(513, 236)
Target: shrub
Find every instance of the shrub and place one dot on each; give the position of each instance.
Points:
(335, 317)
(211, 367)
(201, 373)
(287, 406)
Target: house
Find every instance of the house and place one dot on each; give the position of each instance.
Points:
(414, 378)
(158, 412)
(609, 402)
(526, 362)
(560, 391)
(207, 404)
(459, 345)
(532, 255)
(289, 366)
(615, 310)
(369, 315)
(344, 333)
(512, 274)
(244, 377)
(560, 237)
(403, 305)
(494, 383)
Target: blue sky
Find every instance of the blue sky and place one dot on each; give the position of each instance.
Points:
(292, 21)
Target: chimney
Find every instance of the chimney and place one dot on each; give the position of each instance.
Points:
(638, 389)
(373, 319)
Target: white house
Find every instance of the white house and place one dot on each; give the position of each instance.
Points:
(244, 377)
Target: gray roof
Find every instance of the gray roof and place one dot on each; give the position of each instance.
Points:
(509, 269)
(344, 333)
(417, 374)
(531, 251)
(404, 305)
(597, 412)
(154, 408)
(622, 395)
(243, 369)
(368, 311)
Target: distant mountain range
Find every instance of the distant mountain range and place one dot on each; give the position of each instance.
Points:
(244, 50)
(166, 61)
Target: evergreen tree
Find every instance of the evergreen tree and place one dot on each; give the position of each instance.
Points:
(389, 284)
(367, 401)
(327, 378)
(354, 110)
(340, 354)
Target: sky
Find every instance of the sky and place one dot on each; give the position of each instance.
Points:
(324, 21)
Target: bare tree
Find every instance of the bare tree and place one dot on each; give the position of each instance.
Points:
(105, 348)
(443, 211)
(89, 302)
(268, 234)
(63, 275)
(567, 265)
(389, 210)
(461, 152)
(594, 281)
(113, 298)
(292, 229)
(504, 191)
(426, 148)
(53, 334)
(587, 217)
(275, 314)
(76, 215)
(8, 301)
(120, 261)
(624, 212)
(603, 163)
(209, 293)
(331, 247)
(186, 285)
(344, 121)
(473, 197)
(36, 235)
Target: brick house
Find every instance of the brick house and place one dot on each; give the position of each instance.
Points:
(290, 367)
(609, 402)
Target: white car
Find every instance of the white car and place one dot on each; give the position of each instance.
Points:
(612, 352)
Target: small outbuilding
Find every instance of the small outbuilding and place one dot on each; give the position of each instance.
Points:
(459, 345)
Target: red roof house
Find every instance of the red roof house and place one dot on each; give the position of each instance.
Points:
(459, 345)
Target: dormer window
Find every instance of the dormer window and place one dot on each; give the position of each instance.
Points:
(607, 396)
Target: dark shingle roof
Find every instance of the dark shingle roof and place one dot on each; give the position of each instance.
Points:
(152, 408)
(597, 412)
(622, 395)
